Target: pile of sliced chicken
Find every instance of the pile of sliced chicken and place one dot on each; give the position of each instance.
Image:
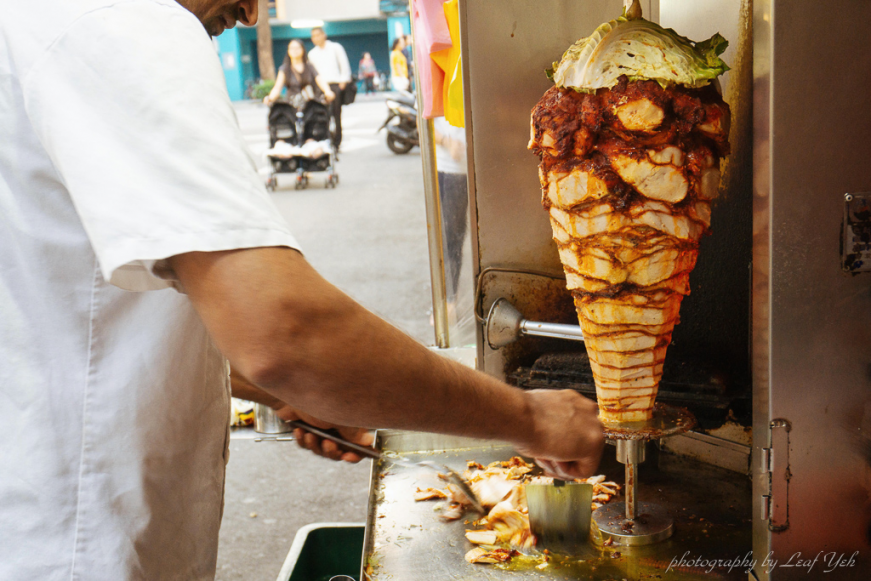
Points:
(627, 176)
(501, 487)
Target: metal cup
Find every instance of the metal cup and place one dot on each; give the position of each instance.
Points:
(266, 422)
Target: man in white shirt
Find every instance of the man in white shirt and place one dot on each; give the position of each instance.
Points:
(331, 61)
(126, 182)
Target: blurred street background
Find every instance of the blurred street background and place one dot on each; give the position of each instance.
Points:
(367, 236)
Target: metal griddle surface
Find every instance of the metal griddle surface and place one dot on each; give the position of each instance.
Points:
(406, 540)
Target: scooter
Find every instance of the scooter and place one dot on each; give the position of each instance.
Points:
(401, 123)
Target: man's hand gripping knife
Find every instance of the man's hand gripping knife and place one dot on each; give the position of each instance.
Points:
(244, 389)
(304, 342)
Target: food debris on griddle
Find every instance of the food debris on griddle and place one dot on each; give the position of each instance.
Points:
(501, 488)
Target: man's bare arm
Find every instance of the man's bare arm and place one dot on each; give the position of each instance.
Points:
(244, 389)
(308, 344)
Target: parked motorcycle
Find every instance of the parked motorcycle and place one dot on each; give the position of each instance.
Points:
(401, 123)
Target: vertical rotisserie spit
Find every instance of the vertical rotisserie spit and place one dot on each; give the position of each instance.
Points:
(630, 140)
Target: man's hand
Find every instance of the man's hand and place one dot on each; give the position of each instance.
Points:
(330, 96)
(244, 389)
(567, 440)
(342, 86)
(323, 447)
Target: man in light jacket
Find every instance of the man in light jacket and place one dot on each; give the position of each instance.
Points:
(139, 255)
(331, 61)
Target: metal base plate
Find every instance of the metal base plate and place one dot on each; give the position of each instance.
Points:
(652, 525)
(666, 421)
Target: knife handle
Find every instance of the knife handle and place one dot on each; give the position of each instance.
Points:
(334, 436)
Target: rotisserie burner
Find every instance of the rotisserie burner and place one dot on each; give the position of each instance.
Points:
(686, 382)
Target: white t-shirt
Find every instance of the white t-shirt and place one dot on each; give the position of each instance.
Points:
(118, 148)
(331, 62)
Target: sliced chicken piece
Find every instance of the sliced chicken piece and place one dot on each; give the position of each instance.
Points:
(577, 281)
(700, 212)
(667, 155)
(491, 491)
(429, 494)
(569, 225)
(594, 263)
(506, 520)
(717, 121)
(549, 144)
(569, 189)
(660, 266)
(523, 539)
(453, 512)
(479, 555)
(625, 373)
(709, 185)
(592, 329)
(658, 182)
(583, 140)
(630, 359)
(624, 343)
(629, 384)
(614, 393)
(629, 265)
(611, 312)
(482, 537)
(640, 115)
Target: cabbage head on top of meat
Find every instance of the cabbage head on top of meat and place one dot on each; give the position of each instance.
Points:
(639, 49)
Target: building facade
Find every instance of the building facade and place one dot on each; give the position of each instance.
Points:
(358, 25)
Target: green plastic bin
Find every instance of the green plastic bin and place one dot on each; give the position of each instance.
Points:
(323, 550)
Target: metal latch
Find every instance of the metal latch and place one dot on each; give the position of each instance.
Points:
(775, 463)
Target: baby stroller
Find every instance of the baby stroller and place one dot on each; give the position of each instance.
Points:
(300, 142)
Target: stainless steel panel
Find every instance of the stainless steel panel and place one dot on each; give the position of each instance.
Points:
(711, 450)
(814, 342)
(761, 285)
(715, 317)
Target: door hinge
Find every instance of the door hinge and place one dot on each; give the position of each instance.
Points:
(775, 463)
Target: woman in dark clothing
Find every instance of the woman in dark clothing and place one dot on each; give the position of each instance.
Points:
(299, 76)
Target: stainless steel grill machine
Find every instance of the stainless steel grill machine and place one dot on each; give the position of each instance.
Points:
(773, 353)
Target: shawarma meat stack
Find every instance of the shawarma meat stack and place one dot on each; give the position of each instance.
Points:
(630, 140)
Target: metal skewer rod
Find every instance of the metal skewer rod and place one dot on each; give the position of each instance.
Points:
(630, 453)
(631, 509)
(505, 324)
(555, 330)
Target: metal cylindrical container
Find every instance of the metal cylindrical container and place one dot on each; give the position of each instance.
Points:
(266, 422)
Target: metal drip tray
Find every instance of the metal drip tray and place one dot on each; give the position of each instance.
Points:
(407, 540)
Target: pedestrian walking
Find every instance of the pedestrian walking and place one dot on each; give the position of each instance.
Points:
(299, 77)
(366, 71)
(398, 66)
(331, 62)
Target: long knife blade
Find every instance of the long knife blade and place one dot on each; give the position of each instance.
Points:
(453, 477)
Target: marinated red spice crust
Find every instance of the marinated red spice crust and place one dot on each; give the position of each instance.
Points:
(627, 177)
